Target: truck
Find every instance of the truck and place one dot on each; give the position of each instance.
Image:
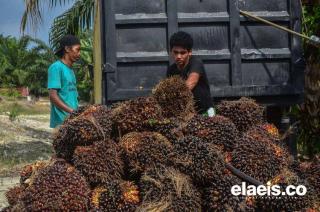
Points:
(242, 57)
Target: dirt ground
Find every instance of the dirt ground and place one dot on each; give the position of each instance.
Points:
(24, 140)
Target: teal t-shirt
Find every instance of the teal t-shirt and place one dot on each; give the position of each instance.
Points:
(62, 78)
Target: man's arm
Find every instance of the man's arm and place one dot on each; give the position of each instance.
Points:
(55, 99)
(196, 71)
(192, 80)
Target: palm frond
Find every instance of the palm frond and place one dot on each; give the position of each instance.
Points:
(23, 60)
(32, 15)
(74, 21)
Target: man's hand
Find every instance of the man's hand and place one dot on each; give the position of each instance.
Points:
(192, 80)
(55, 99)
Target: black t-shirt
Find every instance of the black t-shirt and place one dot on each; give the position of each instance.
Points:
(201, 92)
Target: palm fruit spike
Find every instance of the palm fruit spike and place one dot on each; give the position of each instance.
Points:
(216, 130)
(244, 112)
(170, 128)
(57, 187)
(218, 197)
(166, 189)
(116, 196)
(130, 116)
(286, 202)
(200, 160)
(175, 99)
(256, 159)
(146, 149)
(100, 162)
(91, 125)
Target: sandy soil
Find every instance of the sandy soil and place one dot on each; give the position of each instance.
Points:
(22, 141)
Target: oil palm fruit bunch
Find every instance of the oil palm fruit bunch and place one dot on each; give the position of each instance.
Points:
(116, 196)
(312, 174)
(271, 129)
(170, 128)
(296, 167)
(174, 97)
(286, 202)
(63, 143)
(93, 124)
(256, 159)
(216, 130)
(100, 117)
(310, 171)
(145, 149)
(130, 116)
(13, 195)
(198, 159)
(218, 197)
(30, 170)
(244, 112)
(259, 134)
(57, 187)
(166, 189)
(267, 131)
(100, 162)
(76, 112)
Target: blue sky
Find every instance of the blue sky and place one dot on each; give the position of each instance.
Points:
(11, 12)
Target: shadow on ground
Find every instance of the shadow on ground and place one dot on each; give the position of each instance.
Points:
(37, 133)
(15, 153)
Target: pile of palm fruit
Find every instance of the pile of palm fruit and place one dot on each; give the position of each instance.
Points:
(156, 154)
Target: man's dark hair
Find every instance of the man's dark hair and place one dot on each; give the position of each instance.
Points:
(67, 40)
(181, 39)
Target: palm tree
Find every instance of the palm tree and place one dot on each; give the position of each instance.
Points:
(84, 67)
(75, 20)
(23, 62)
(83, 15)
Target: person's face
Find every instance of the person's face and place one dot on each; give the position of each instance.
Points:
(73, 52)
(181, 56)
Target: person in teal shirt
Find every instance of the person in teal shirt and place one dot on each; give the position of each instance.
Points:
(62, 82)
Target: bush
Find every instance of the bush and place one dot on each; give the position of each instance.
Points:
(14, 112)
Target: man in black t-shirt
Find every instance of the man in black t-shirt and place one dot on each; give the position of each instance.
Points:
(192, 70)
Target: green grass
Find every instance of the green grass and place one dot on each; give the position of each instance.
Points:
(2, 135)
(16, 108)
